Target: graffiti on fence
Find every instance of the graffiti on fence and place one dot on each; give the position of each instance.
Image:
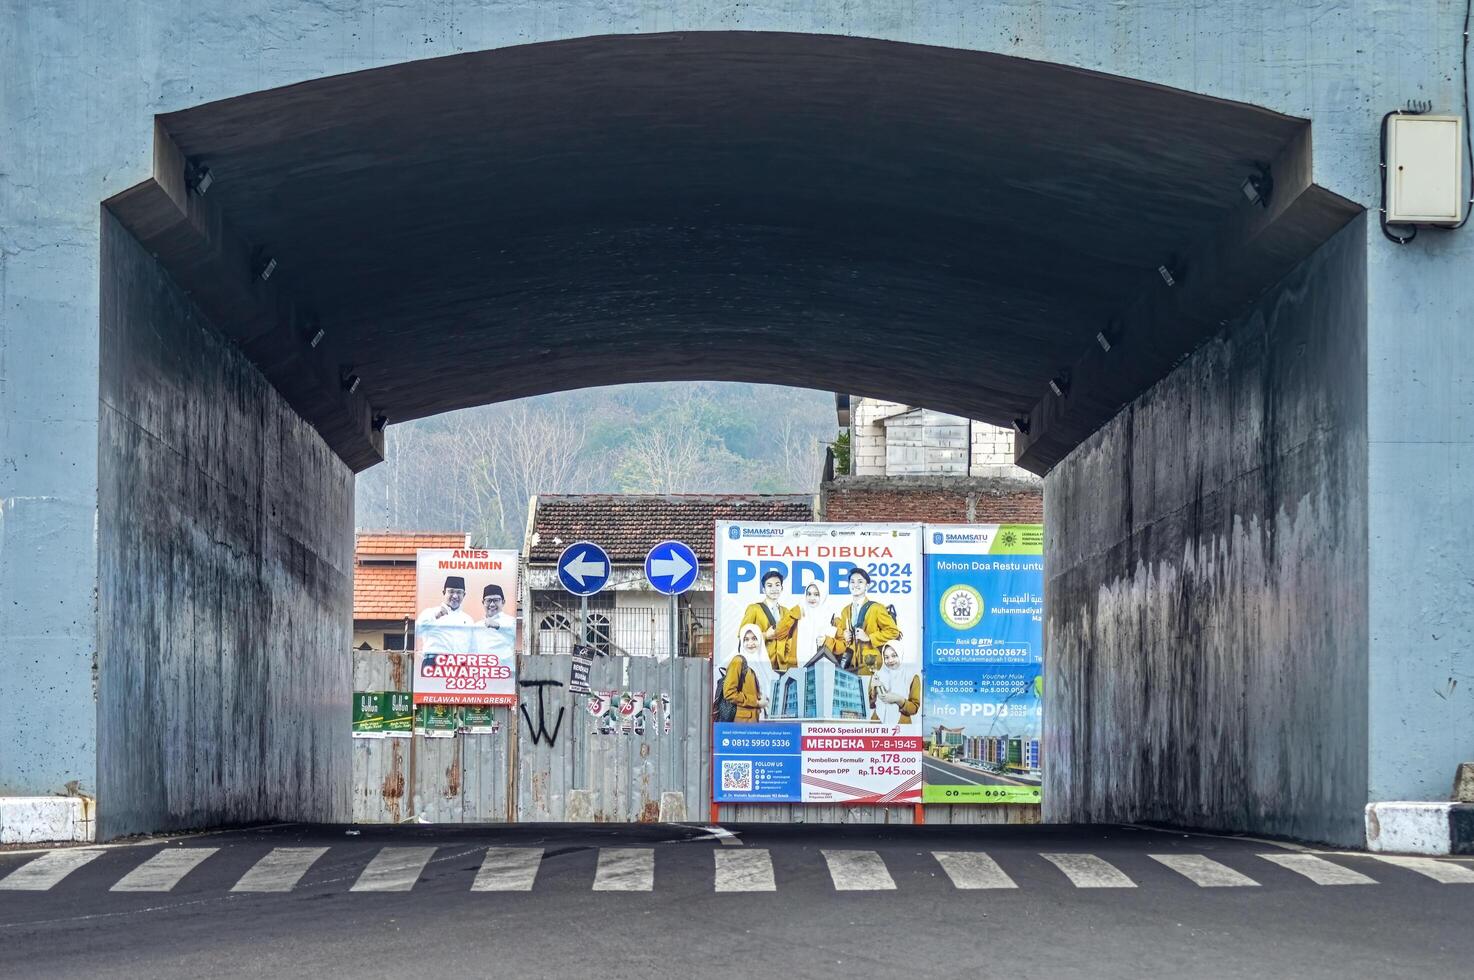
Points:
(539, 730)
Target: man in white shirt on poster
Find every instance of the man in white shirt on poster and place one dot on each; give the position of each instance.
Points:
(497, 632)
(446, 628)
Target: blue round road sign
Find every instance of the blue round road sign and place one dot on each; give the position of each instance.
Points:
(671, 567)
(583, 568)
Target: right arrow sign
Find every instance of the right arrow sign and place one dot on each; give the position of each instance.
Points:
(671, 567)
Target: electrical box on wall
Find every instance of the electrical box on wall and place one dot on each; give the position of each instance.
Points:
(1425, 170)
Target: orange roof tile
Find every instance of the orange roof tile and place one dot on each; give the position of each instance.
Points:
(406, 542)
(383, 591)
(388, 591)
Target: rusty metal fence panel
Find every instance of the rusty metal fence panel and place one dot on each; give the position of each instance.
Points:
(584, 774)
(464, 779)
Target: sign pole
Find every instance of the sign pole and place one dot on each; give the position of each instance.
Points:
(573, 729)
(671, 568)
(670, 709)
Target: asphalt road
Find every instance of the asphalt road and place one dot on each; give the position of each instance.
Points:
(851, 901)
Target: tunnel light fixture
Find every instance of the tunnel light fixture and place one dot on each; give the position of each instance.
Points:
(1258, 186)
(1060, 384)
(200, 178)
(1103, 340)
(266, 269)
(1021, 425)
(380, 421)
(315, 334)
(1166, 275)
(350, 382)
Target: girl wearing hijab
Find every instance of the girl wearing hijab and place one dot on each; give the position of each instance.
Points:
(805, 626)
(749, 675)
(895, 690)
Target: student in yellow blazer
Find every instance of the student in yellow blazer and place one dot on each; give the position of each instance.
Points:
(744, 687)
(861, 628)
(767, 616)
(895, 690)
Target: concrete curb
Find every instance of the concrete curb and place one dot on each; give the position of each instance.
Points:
(44, 819)
(1399, 827)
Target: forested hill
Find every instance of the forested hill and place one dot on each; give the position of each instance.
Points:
(475, 469)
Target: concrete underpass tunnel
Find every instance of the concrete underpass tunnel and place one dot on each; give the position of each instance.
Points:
(1018, 242)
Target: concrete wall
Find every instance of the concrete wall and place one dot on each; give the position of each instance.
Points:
(939, 500)
(1206, 621)
(225, 557)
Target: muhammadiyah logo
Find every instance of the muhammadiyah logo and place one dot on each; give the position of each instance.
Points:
(962, 607)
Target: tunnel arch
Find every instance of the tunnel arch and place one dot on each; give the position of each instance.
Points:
(935, 225)
(948, 227)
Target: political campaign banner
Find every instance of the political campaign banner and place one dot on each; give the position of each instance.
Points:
(817, 645)
(466, 630)
(984, 663)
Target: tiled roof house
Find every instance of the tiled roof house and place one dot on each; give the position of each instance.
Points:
(384, 578)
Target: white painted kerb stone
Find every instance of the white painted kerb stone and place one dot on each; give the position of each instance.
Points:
(1419, 828)
(45, 819)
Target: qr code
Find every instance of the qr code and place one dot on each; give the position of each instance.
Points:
(737, 776)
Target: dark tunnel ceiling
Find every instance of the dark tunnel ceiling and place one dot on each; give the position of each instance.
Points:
(939, 226)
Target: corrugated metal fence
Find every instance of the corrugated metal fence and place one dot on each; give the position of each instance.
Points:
(555, 760)
(569, 764)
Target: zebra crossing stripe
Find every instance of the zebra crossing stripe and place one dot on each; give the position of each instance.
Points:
(1445, 872)
(508, 869)
(858, 871)
(163, 871)
(973, 869)
(625, 869)
(747, 870)
(394, 869)
(1089, 871)
(1204, 872)
(279, 870)
(46, 871)
(1319, 870)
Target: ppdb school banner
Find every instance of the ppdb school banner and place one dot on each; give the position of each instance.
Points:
(984, 662)
(466, 630)
(817, 649)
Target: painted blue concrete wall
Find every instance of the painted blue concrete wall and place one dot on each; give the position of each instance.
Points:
(80, 85)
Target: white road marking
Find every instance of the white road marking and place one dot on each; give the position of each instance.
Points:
(279, 870)
(1442, 871)
(747, 870)
(1089, 871)
(625, 869)
(725, 836)
(858, 871)
(508, 869)
(44, 872)
(394, 869)
(973, 869)
(1205, 872)
(1319, 870)
(163, 871)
